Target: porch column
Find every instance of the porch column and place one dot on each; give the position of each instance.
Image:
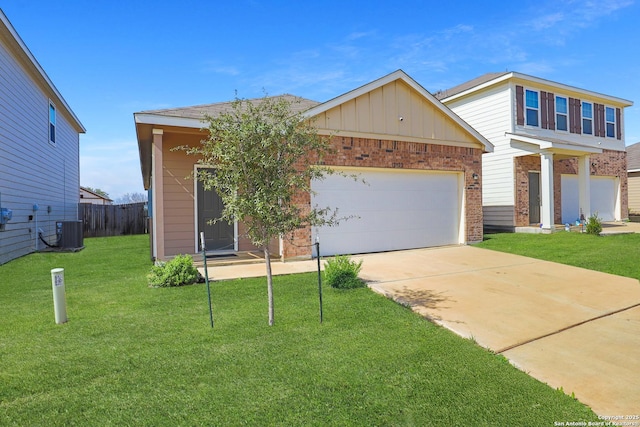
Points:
(157, 187)
(584, 185)
(546, 190)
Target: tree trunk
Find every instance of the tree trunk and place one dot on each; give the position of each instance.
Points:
(267, 258)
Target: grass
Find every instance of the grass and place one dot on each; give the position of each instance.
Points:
(615, 254)
(133, 355)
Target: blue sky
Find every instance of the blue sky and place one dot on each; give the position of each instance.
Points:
(111, 59)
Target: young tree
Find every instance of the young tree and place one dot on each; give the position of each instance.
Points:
(264, 155)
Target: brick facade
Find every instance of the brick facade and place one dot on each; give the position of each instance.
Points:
(376, 153)
(608, 163)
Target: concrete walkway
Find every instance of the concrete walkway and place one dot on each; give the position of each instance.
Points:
(568, 327)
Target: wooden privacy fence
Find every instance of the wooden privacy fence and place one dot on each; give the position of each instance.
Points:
(113, 220)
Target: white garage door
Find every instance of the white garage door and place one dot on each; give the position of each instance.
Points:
(603, 197)
(393, 210)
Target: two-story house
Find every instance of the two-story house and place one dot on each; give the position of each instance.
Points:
(559, 150)
(39, 151)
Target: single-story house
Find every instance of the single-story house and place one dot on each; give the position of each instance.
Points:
(559, 150)
(422, 165)
(633, 178)
(91, 197)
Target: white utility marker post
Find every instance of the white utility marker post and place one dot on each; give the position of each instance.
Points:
(59, 298)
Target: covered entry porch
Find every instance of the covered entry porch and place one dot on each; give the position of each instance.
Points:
(546, 168)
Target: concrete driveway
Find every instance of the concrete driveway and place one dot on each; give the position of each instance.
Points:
(566, 326)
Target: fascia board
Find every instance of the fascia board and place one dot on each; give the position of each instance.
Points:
(156, 119)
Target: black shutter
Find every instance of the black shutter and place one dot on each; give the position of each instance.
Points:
(619, 123)
(551, 110)
(574, 116)
(596, 119)
(520, 105)
(543, 110)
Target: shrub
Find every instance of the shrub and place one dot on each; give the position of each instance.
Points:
(179, 271)
(594, 224)
(342, 272)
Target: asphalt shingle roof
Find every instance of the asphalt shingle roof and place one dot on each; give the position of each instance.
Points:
(297, 103)
(442, 94)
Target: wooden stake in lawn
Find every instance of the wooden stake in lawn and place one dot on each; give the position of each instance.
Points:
(319, 276)
(206, 275)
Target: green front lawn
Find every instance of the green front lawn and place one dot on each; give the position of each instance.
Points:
(133, 355)
(615, 254)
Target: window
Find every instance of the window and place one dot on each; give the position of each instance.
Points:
(610, 122)
(561, 113)
(532, 104)
(52, 123)
(587, 118)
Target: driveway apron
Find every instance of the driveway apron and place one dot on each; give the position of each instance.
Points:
(566, 326)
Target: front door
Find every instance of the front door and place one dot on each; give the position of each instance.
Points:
(218, 236)
(534, 197)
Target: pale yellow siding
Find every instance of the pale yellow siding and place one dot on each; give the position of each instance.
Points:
(634, 192)
(394, 109)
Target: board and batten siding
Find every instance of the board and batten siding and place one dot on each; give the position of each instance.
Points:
(393, 111)
(32, 170)
(489, 112)
(633, 183)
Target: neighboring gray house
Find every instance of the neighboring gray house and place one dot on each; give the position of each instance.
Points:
(633, 178)
(39, 150)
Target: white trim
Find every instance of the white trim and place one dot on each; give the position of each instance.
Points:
(546, 191)
(154, 208)
(615, 124)
(553, 145)
(157, 119)
(195, 216)
(555, 109)
(583, 118)
(55, 123)
(526, 107)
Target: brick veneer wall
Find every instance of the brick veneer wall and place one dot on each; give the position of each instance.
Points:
(362, 152)
(524, 165)
(608, 163)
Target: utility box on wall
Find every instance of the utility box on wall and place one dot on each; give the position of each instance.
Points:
(5, 216)
(70, 234)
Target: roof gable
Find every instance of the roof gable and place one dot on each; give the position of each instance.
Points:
(394, 106)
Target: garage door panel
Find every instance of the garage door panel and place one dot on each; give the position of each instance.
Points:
(393, 210)
(602, 195)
